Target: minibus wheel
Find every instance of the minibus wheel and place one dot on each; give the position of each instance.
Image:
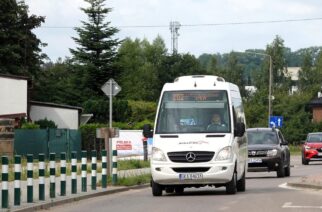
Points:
(156, 189)
(231, 187)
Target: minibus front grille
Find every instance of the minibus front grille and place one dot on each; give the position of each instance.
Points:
(191, 156)
(190, 169)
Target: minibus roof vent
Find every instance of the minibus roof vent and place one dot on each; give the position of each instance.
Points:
(220, 79)
(198, 76)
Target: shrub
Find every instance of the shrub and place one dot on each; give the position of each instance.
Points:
(45, 123)
(30, 125)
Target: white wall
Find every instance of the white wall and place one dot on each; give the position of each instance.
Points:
(63, 118)
(13, 96)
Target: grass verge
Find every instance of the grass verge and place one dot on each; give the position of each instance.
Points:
(295, 149)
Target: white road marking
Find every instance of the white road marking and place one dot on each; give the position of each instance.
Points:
(284, 185)
(289, 205)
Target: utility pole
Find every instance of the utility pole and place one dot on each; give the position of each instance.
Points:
(174, 28)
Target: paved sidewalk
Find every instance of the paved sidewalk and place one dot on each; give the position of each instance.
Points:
(58, 200)
(310, 182)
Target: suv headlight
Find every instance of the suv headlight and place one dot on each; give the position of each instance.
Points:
(225, 154)
(158, 155)
(272, 153)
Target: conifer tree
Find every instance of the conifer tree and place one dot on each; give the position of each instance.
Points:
(96, 51)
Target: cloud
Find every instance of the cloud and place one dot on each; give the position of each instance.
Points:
(195, 40)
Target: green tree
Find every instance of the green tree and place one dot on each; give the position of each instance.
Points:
(60, 82)
(306, 74)
(276, 50)
(139, 62)
(20, 52)
(96, 50)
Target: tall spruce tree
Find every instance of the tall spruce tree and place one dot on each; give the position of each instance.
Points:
(96, 52)
(20, 52)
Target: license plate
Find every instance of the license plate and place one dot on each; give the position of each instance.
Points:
(255, 160)
(320, 154)
(190, 176)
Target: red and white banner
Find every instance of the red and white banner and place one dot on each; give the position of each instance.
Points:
(129, 143)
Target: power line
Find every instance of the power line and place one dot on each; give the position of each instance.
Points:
(202, 25)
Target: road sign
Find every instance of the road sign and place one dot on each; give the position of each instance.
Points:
(111, 88)
(276, 121)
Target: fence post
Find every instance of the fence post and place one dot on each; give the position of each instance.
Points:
(114, 177)
(30, 183)
(4, 175)
(94, 160)
(74, 173)
(104, 169)
(41, 158)
(17, 180)
(52, 170)
(84, 171)
(63, 173)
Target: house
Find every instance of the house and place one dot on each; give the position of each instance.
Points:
(15, 104)
(293, 73)
(316, 106)
(64, 116)
(14, 96)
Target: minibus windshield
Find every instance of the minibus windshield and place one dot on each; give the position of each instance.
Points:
(205, 111)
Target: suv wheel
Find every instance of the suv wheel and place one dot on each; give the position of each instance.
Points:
(241, 184)
(156, 189)
(287, 170)
(231, 187)
(280, 170)
(304, 161)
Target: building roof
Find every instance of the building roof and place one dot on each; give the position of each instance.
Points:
(315, 102)
(49, 104)
(14, 77)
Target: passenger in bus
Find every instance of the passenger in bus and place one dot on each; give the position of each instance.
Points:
(216, 123)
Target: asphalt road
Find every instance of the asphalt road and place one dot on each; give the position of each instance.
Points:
(264, 192)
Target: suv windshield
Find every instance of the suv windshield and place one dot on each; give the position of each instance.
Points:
(314, 138)
(262, 137)
(193, 112)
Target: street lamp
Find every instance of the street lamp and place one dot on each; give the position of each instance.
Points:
(269, 83)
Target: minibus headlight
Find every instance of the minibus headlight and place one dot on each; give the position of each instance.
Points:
(224, 154)
(158, 155)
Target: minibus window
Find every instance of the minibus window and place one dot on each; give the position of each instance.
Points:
(194, 112)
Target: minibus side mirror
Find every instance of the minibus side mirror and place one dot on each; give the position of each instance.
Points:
(240, 129)
(147, 131)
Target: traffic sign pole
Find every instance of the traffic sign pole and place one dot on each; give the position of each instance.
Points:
(111, 105)
(110, 88)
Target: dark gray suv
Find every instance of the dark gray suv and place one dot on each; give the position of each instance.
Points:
(268, 151)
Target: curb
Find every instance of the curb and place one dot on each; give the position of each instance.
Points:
(304, 185)
(57, 202)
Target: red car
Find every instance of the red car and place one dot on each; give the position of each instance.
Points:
(312, 148)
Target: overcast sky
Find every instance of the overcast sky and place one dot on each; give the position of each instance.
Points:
(195, 40)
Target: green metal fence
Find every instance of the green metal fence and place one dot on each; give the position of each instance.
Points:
(35, 141)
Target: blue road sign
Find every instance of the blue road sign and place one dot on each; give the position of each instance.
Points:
(276, 121)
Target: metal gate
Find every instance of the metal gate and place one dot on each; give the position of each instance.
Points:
(35, 141)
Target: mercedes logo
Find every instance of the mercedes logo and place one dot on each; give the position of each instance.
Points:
(253, 153)
(191, 157)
